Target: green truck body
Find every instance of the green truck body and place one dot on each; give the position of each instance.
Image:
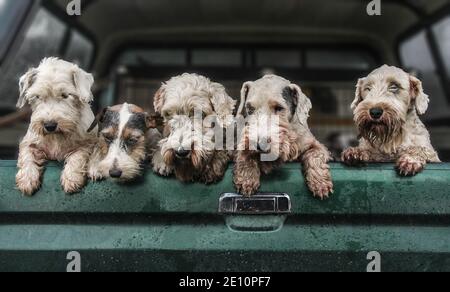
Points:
(159, 224)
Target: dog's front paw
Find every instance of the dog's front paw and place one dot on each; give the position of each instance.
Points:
(355, 156)
(162, 169)
(247, 187)
(95, 175)
(321, 189)
(72, 182)
(408, 166)
(28, 182)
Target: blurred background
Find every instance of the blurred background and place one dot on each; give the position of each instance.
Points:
(323, 45)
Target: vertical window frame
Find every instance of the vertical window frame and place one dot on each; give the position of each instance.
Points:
(15, 31)
(426, 24)
(438, 43)
(73, 25)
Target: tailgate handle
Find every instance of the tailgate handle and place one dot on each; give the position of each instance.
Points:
(265, 203)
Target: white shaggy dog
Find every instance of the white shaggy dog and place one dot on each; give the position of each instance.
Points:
(387, 106)
(275, 98)
(188, 150)
(59, 94)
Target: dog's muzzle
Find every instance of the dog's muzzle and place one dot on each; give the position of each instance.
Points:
(115, 173)
(264, 145)
(376, 113)
(182, 153)
(51, 126)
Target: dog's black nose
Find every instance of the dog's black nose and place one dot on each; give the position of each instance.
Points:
(50, 126)
(376, 113)
(264, 146)
(181, 153)
(115, 173)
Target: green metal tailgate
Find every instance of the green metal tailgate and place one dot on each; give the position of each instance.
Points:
(159, 224)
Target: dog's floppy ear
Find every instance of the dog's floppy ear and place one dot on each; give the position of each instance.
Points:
(223, 104)
(290, 95)
(83, 82)
(26, 81)
(244, 94)
(302, 102)
(159, 99)
(358, 96)
(98, 120)
(419, 98)
(153, 121)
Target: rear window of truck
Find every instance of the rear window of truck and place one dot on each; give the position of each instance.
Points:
(38, 43)
(11, 14)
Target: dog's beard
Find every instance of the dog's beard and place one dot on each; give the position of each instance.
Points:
(186, 169)
(200, 158)
(289, 150)
(133, 166)
(201, 147)
(283, 145)
(65, 128)
(383, 132)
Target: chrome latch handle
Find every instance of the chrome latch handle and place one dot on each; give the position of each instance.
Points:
(259, 204)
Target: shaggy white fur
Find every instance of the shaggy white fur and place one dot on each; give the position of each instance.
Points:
(387, 106)
(187, 149)
(59, 94)
(273, 98)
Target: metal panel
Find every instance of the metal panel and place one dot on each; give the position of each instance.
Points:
(159, 224)
(374, 190)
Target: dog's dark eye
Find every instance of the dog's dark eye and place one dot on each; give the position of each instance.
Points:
(250, 110)
(368, 89)
(278, 109)
(193, 113)
(108, 139)
(65, 96)
(394, 88)
(131, 141)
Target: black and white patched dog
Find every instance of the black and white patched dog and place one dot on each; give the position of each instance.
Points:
(126, 139)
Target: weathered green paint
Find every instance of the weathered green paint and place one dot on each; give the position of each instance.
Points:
(162, 225)
(375, 190)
